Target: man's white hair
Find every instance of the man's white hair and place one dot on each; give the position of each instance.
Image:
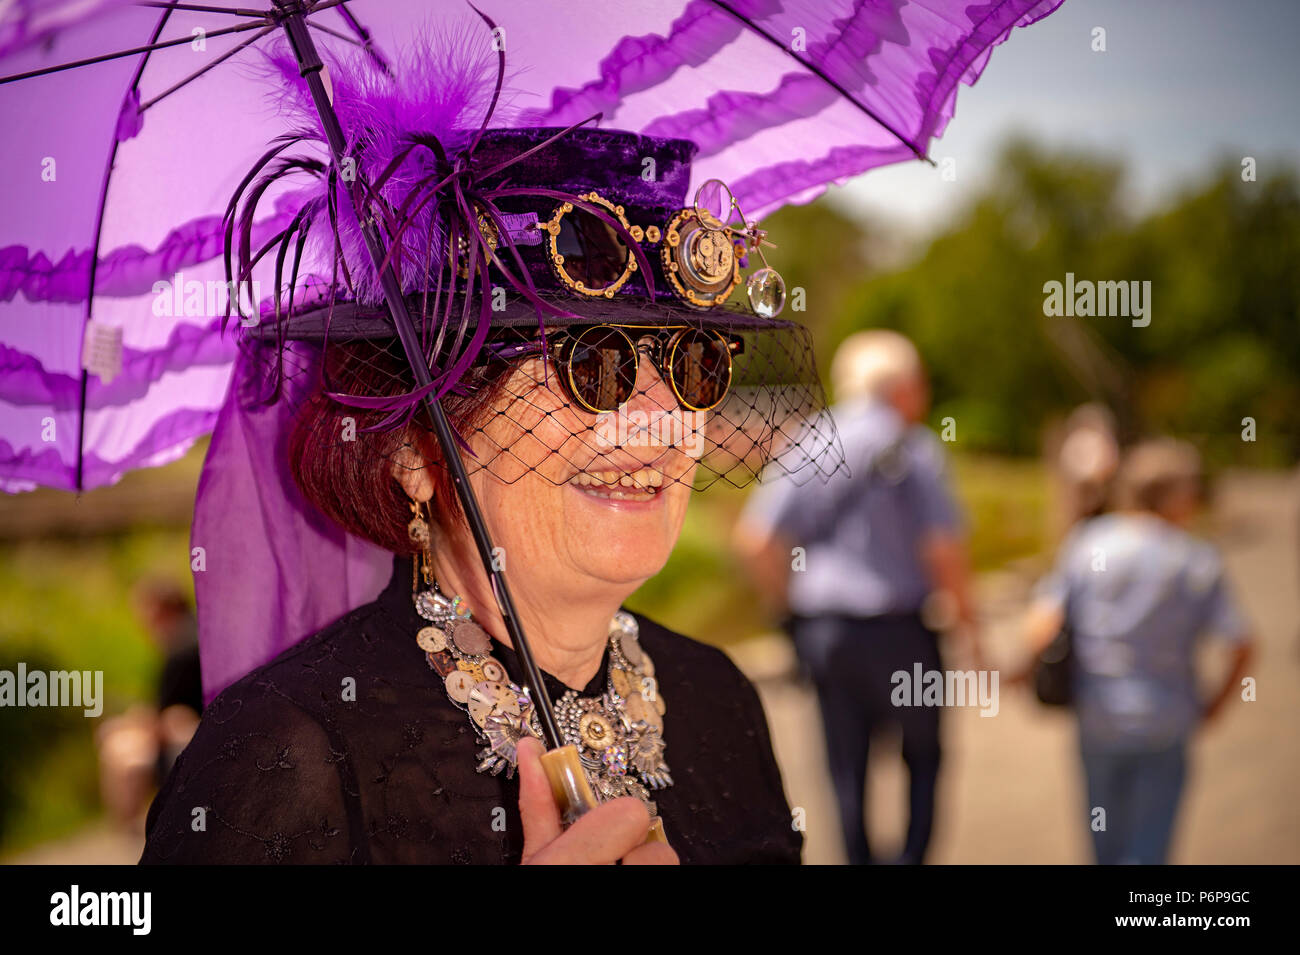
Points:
(871, 364)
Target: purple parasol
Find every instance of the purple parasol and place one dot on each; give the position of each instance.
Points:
(112, 287)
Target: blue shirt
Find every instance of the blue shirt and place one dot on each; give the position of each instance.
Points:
(1139, 592)
(861, 534)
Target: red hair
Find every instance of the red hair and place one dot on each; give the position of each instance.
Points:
(346, 470)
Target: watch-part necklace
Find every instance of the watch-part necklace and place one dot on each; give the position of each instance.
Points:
(618, 735)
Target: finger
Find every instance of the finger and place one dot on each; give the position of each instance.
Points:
(652, 853)
(602, 836)
(537, 809)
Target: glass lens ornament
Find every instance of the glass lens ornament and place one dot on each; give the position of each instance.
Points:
(714, 200)
(766, 291)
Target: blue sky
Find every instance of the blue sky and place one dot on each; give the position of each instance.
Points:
(1182, 84)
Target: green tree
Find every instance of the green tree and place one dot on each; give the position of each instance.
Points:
(1222, 345)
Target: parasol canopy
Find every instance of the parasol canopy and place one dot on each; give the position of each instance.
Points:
(132, 125)
(112, 286)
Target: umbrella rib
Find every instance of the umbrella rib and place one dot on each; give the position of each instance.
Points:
(815, 70)
(334, 33)
(325, 5)
(202, 8)
(197, 73)
(148, 48)
(366, 42)
(94, 261)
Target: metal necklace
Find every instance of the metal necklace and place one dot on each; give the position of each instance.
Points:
(618, 735)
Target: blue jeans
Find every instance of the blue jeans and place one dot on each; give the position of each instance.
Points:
(1140, 792)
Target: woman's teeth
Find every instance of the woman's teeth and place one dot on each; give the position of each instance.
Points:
(620, 485)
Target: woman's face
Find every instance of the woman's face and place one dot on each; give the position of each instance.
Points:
(576, 497)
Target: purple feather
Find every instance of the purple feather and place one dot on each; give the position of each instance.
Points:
(442, 89)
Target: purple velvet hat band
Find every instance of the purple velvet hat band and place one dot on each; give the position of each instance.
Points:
(649, 177)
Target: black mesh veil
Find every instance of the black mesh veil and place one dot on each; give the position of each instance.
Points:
(516, 417)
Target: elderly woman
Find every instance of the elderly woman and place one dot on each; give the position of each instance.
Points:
(588, 408)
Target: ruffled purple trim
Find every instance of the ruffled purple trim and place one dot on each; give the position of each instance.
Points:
(803, 180)
(47, 468)
(936, 93)
(766, 189)
(126, 271)
(25, 381)
(642, 62)
(732, 115)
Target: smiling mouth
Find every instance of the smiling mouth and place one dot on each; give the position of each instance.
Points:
(640, 485)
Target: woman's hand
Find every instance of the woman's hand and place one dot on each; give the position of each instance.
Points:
(612, 831)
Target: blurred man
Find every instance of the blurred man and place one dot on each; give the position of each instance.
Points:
(1137, 591)
(852, 562)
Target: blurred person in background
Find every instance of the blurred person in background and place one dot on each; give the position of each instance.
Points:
(1137, 591)
(850, 565)
(1085, 463)
(169, 614)
(138, 747)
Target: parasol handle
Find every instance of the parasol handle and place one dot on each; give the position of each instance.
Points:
(572, 792)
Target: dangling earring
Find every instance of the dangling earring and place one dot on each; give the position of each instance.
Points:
(420, 534)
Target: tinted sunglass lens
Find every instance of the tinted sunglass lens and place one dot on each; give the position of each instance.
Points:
(602, 368)
(701, 368)
(595, 256)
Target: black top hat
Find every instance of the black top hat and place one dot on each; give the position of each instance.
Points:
(575, 226)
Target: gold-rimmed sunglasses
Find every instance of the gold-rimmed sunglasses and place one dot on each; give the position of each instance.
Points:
(597, 364)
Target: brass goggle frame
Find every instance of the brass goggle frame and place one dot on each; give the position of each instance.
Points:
(700, 251)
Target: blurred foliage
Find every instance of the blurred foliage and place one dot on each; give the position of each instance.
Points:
(28, 735)
(68, 605)
(1224, 338)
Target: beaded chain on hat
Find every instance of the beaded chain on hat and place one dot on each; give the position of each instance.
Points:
(618, 735)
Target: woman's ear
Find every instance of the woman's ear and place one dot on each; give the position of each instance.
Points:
(411, 471)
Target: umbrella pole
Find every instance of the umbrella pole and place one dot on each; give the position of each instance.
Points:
(569, 785)
(310, 66)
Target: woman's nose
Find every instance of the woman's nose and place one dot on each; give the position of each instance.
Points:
(652, 392)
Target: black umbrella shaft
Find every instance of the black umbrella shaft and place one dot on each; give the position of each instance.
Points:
(310, 65)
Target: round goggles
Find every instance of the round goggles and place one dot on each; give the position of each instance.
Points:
(700, 247)
(598, 364)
